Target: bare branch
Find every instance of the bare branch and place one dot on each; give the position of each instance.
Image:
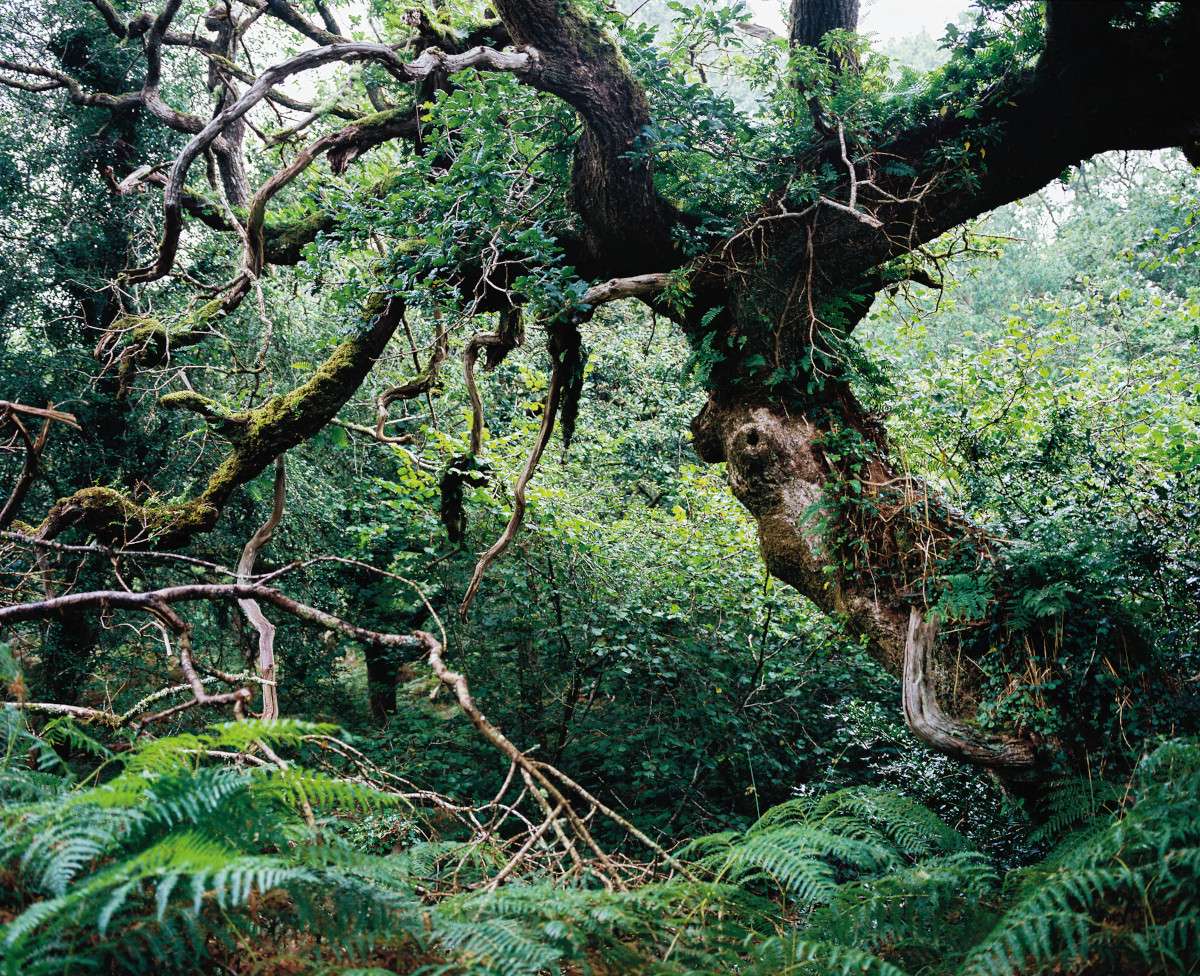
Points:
(549, 412)
(191, 593)
(931, 725)
(258, 620)
(519, 62)
(34, 446)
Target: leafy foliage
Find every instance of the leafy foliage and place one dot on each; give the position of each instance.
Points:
(173, 864)
(630, 635)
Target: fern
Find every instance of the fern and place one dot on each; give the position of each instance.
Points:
(297, 787)
(177, 862)
(1074, 801)
(1118, 890)
(820, 959)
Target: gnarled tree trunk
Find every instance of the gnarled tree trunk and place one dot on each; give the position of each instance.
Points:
(865, 554)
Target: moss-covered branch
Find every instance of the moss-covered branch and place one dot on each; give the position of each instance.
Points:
(146, 342)
(228, 423)
(261, 436)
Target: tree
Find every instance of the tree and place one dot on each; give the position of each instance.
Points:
(556, 160)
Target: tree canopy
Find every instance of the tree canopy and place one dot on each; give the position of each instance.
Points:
(633, 490)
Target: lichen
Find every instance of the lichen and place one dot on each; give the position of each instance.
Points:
(260, 436)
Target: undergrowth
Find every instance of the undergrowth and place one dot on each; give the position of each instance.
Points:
(174, 856)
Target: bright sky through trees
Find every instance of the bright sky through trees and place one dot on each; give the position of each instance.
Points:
(886, 18)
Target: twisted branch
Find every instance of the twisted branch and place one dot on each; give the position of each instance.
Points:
(932, 726)
(549, 413)
(519, 62)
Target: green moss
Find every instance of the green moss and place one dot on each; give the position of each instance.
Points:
(229, 424)
(193, 320)
(258, 437)
(139, 327)
(189, 400)
(379, 119)
(286, 239)
(143, 331)
(291, 418)
(151, 340)
(117, 521)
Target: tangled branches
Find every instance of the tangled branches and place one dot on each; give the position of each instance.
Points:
(552, 791)
(10, 415)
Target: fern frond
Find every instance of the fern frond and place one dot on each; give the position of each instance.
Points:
(1072, 801)
(296, 786)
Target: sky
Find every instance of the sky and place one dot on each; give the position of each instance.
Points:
(886, 18)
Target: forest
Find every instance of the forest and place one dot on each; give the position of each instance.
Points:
(562, 487)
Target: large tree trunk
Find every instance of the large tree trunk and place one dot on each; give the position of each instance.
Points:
(383, 677)
(837, 520)
(864, 543)
(778, 469)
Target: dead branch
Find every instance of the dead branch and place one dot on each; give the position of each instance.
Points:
(193, 592)
(46, 413)
(637, 286)
(34, 446)
(560, 816)
(931, 725)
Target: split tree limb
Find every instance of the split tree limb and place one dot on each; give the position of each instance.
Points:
(932, 726)
(265, 663)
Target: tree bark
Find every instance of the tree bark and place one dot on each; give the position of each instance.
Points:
(627, 224)
(777, 467)
(864, 542)
(383, 675)
(811, 20)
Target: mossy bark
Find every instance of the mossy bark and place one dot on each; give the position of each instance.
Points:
(261, 436)
(627, 224)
